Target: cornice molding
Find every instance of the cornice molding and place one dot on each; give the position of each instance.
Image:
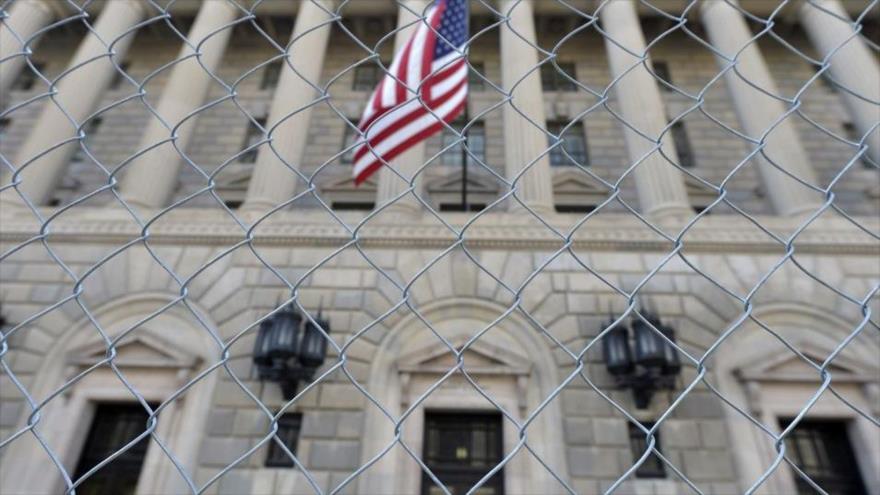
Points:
(612, 232)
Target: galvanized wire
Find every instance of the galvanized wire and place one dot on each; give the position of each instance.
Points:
(682, 21)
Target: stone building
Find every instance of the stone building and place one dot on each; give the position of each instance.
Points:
(179, 198)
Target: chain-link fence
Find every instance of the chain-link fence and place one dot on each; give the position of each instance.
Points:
(602, 311)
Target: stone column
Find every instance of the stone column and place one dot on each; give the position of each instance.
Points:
(523, 140)
(273, 182)
(78, 93)
(852, 65)
(659, 184)
(150, 179)
(758, 113)
(26, 17)
(407, 163)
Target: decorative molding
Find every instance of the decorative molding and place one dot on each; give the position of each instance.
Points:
(502, 230)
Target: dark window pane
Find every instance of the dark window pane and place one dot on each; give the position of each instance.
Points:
(353, 205)
(271, 74)
(554, 80)
(682, 145)
(653, 467)
(26, 80)
(349, 137)
(114, 426)
(821, 449)
(460, 448)
(575, 208)
(367, 76)
(289, 425)
(475, 139)
(574, 142)
(252, 136)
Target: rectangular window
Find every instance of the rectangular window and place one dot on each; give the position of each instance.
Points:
(4, 125)
(682, 145)
(271, 75)
(367, 76)
(475, 139)
(822, 450)
(252, 136)
(825, 80)
(661, 70)
(27, 78)
(653, 467)
(583, 209)
(289, 425)
(554, 80)
(460, 448)
(113, 427)
(349, 137)
(90, 129)
(461, 207)
(475, 82)
(353, 205)
(574, 143)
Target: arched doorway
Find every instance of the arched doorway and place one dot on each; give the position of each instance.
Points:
(158, 359)
(511, 363)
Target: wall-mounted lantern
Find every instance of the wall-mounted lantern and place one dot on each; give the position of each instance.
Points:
(640, 359)
(290, 348)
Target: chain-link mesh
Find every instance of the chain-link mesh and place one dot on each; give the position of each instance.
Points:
(711, 273)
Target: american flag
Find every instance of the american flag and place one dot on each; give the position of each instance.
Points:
(434, 74)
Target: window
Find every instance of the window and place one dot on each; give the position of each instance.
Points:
(271, 74)
(574, 142)
(353, 205)
(367, 76)
(460, 448)
(252, 136)
(26, 80)
(89, 129)
(653, 467)
(821, 449)
(349, 137)
(586, 208)
(661, 70)
(475, 139)
(4, 125)
(475, 82)
(289, 425)
(826, 81)
(461, 207)
(114, 426)
(682, 145)
(553, 80)
(853, 135)
(118, 78)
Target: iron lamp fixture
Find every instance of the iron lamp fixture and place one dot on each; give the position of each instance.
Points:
(290, 348)
(640, 359)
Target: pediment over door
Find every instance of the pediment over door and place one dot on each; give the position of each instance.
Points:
(790, 367)
(479, 358)
(142, 350)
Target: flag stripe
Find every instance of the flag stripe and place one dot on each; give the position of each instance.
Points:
(425, 86)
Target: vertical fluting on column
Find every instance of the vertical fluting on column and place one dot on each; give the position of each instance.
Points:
(150, 179)
(78, 93)
(524, 141)
(851, 64)
(26, 17)
(660, 186)
(759, 113)
(407, 163)
(273, 182)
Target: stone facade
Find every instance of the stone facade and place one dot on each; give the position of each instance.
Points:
(183, 295)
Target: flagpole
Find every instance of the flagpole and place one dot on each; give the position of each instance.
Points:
(464, 168)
